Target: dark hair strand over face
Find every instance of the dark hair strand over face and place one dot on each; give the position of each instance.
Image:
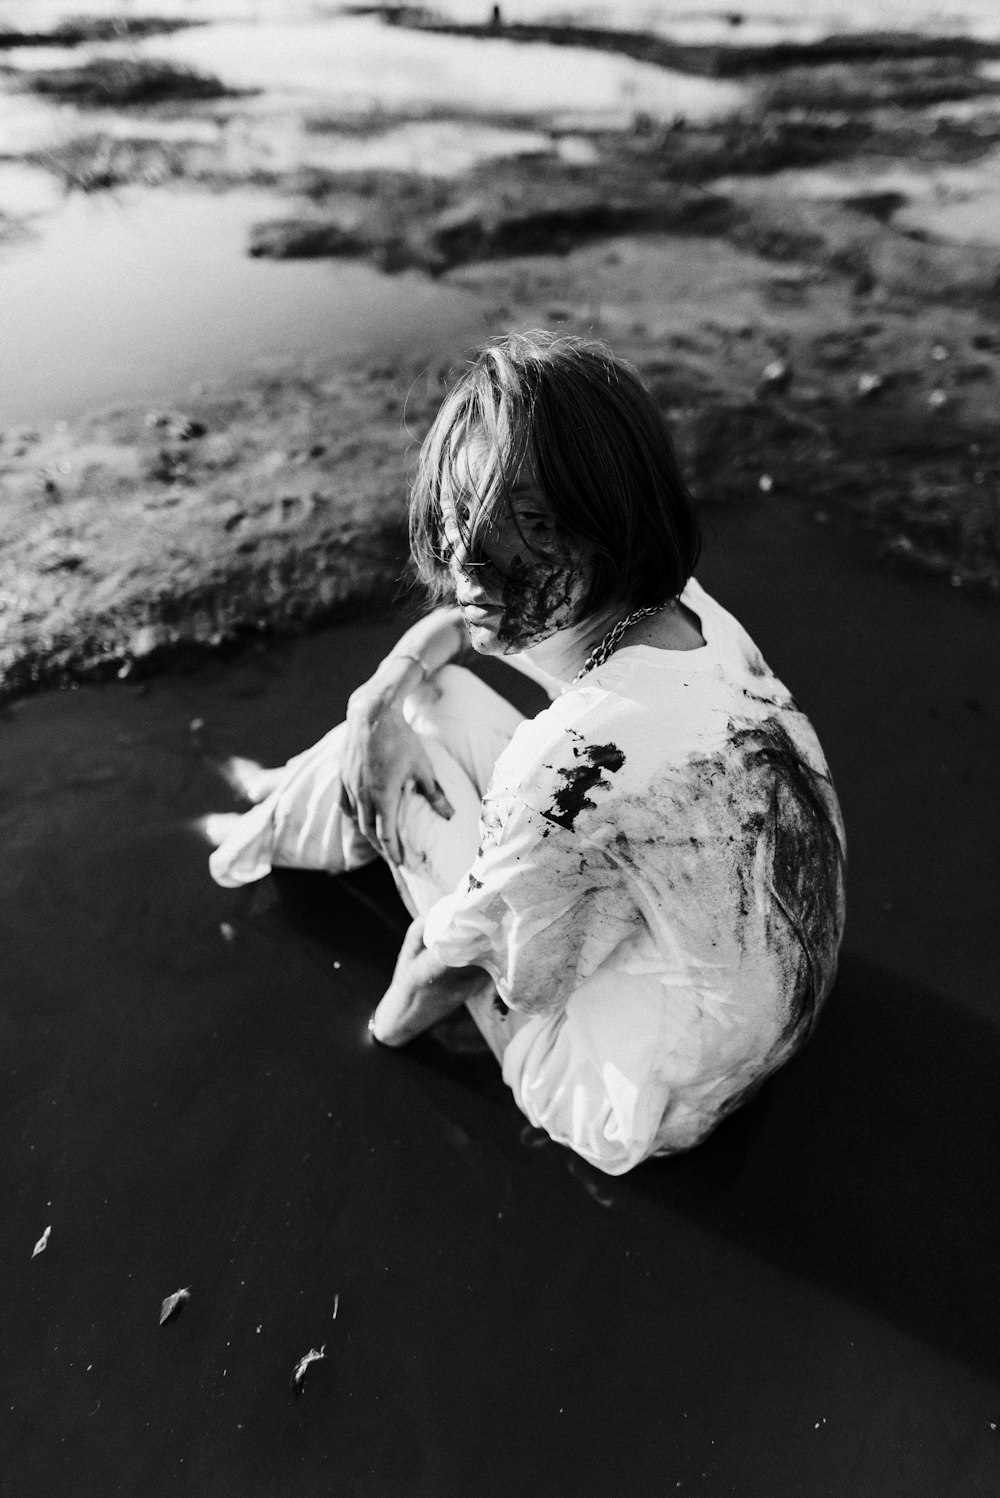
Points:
(600, 451)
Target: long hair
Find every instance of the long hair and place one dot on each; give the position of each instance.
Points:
(599, 449)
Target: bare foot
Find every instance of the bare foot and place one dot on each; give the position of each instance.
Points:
(218, 825)
(249, 779)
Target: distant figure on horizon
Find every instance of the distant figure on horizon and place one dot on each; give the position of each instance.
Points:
(638, 894)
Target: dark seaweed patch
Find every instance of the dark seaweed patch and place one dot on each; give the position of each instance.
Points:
(578, 780)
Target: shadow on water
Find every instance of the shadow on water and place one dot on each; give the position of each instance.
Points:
(867, 1167)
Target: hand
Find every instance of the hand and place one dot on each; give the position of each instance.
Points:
(423, 990)
(382, 757)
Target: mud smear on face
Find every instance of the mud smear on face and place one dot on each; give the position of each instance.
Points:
(540, 596)
(580, 779)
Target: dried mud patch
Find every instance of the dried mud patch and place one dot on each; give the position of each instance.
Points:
(125, 82)
(495, 212)
(134, 535)
(75, 31)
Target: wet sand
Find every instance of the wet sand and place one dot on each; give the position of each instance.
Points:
(807, 1304)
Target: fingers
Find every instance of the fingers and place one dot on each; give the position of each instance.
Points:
(386, 834)
(432, 791)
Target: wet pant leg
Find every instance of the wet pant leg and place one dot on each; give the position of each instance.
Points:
(465, 726)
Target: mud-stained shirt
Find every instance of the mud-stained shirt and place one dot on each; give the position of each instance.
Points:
(659, 886)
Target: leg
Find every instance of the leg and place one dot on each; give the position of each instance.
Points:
(300, 825)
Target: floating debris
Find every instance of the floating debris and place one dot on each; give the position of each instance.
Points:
(228, 931)
(173, 1302)
(42, 1243)
(312, 1356)
(937, 399)
(336, 1304)
(765, 483)
(196, 725)
(869, 384)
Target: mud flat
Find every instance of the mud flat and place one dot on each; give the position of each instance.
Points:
(786, 278)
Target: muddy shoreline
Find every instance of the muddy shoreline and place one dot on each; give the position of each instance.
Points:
(818, 349)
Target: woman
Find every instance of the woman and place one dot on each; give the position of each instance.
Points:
(638, 894)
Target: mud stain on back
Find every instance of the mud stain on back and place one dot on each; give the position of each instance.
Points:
(788, 828)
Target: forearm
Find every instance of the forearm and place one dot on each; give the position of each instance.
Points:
(423, 990)
(426, 646)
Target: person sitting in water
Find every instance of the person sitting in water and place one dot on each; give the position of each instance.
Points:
(638, 893)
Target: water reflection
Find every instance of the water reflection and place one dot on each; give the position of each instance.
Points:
(133, 296)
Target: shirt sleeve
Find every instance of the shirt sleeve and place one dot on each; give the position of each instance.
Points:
(541, 910)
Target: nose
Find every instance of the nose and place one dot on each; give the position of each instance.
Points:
(468, 589)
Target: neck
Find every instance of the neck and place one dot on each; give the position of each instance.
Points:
(563, 654)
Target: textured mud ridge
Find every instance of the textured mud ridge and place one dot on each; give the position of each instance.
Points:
(731, 60)
(135, 535)
(76, 31)
(496, 213)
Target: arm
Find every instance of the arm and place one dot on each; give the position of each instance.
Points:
(436, 639)
(424, 989)
(382, 753)
(589, 1075)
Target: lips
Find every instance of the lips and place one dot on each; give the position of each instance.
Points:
(474, 613)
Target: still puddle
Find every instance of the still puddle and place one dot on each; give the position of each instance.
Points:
(360, 63)
(125, 298)
(133, 297)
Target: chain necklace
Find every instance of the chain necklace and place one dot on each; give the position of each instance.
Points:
(611, 640)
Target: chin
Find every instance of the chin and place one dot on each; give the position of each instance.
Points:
(485, 641)
(488, 642)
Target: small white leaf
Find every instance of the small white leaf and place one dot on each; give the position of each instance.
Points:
(312, 1356)
(42, 1243)
(171, 1303)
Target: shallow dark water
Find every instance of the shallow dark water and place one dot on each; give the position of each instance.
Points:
(133, 297)
(808, 1304)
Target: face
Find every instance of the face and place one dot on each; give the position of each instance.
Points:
(532, 579)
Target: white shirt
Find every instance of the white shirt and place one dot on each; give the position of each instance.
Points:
(659, 886)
